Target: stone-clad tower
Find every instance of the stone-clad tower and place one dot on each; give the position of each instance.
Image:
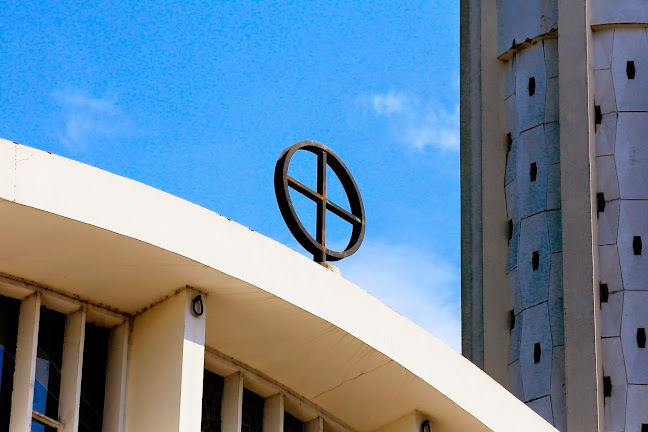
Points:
(555, 205)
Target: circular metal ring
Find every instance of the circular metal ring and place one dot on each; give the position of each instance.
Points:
(283, 182)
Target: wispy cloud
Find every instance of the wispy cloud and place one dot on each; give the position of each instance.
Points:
(87, 118)
(419, 285)
(416, 123)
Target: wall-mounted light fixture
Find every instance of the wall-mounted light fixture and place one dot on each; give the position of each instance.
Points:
(197, 306)
(425, 426)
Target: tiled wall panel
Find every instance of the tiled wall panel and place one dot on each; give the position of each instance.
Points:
(532, 187)
(621, 97)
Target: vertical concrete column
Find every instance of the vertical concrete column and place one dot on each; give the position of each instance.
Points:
(166, 365)
(273, 414)
(117, 365)
(22, 398)
(70, 395)
(233, 403)
(315, 425)
(583, 369)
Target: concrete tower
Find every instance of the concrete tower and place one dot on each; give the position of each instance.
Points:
(555, 205)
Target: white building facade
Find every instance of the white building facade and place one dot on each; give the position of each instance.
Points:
(123, 308)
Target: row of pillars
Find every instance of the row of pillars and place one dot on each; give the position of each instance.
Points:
(154, 373)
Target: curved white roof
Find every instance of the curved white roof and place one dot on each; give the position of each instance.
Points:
(113, 241)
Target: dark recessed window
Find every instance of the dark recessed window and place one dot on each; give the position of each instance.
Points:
(607, 386)
(511, 319)
(93, 378)
(644, 427)
(600, 202)
(535, 260)
(533, 172)
(636, 245)
(532, 86)
(641, 337)
(9, 310)
(212, 402)
(630, 70)
(598, 116)
(292, 423)
(605, 293)
(48, 365)
(252, 419)
(509, 142)
(537, 352)
(509, 229)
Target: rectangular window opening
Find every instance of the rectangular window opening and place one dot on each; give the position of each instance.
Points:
(537, 352)
(533, 172)
(631, 70)
(292, 423)
(598, 116)
(605, 293)
(93, 378)
(252, 419)
(535, 260)
(509, 142)
(212, 402)
(48, 364)
(511, 319)
(600, 202)
(641, 337)
(636, 245)
(532, 86)
(644, 427)
(509, 229)
(607, 386)
(9, 311)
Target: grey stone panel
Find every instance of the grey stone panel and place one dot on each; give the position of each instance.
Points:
(532, 193)
(635, 316)
(536, 376)
(534, 239)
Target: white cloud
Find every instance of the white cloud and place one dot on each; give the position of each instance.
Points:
(391, 103)
(87, 118)
(417, 124)
(423, 287)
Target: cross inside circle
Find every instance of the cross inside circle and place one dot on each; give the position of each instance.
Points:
(283, 182)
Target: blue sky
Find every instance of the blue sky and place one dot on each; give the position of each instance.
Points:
(199, 99)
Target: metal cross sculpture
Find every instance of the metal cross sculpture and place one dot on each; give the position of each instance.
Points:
(283, 182)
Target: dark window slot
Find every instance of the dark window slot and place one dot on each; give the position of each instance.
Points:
(292, 423)
(509, 142)
(644, 427)
(533, 172)
(511, 319)
(537, 352)
(509, 229)
(641, 337)
(631, 70)
(535, 260)
(212, 402)
(605, 293)
(532, 86)
(607, 386)
(636, 245)
(600, 202)
(598, 116)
